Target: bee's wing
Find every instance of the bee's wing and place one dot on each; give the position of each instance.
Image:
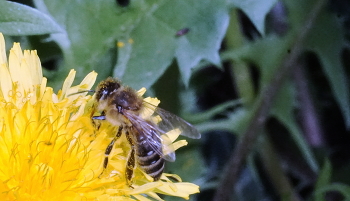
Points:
(152, 133)
(171, 121)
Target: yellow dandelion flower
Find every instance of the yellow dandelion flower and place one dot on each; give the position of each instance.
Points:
(51, 150)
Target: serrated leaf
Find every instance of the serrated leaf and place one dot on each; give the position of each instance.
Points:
(93, 27)
(151, 54)
(283, 111)
(206, 22)
(328, 44)
(256, 11)
(260, 53)
(298, 11)
(18, 20)
(91, 32)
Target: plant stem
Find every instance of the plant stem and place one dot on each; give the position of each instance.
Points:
(310, 122)
(274, 170)
(264, 103)
(239, 69)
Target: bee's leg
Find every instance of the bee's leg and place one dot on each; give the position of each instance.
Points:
(131, 161)
(109, 149)
(101, 117)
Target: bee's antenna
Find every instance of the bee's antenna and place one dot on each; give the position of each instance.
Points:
(79, 92)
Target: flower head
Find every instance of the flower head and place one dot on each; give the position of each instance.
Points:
(51, 150)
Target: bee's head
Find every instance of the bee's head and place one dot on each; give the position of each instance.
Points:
(127, 99)
(106, 87)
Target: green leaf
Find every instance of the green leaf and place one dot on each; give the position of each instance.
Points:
(323, 179)
(283, 111)
(18, 20)
(236, 122)
(147, 30)
(91, 29)
(341, 188)
(206, 21)
(158, 44)
(210, 113)
(256, 11)
(152, 52)
(188, 163)
(328, 45)
(298, 11)
(260, 53)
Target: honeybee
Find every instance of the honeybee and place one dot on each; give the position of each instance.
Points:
(121, 106)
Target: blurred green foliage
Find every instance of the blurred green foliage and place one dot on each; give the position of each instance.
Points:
(144, 43)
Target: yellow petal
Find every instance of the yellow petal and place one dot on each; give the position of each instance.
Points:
(50, 149)
(86, 84)
(42, 88)
(144, 188)
(16, 48)
(173, 134)
(152, 101)
(34, 66)
(89, 80)
(154, 195)
(5, 82)
(179, 144)
(141, 198)
(3, 58)
(183, 190)
(25, 82)
(68, 83)
(15, 66)
(141, 91)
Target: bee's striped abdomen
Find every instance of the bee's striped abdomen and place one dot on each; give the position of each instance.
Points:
(148, 159)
